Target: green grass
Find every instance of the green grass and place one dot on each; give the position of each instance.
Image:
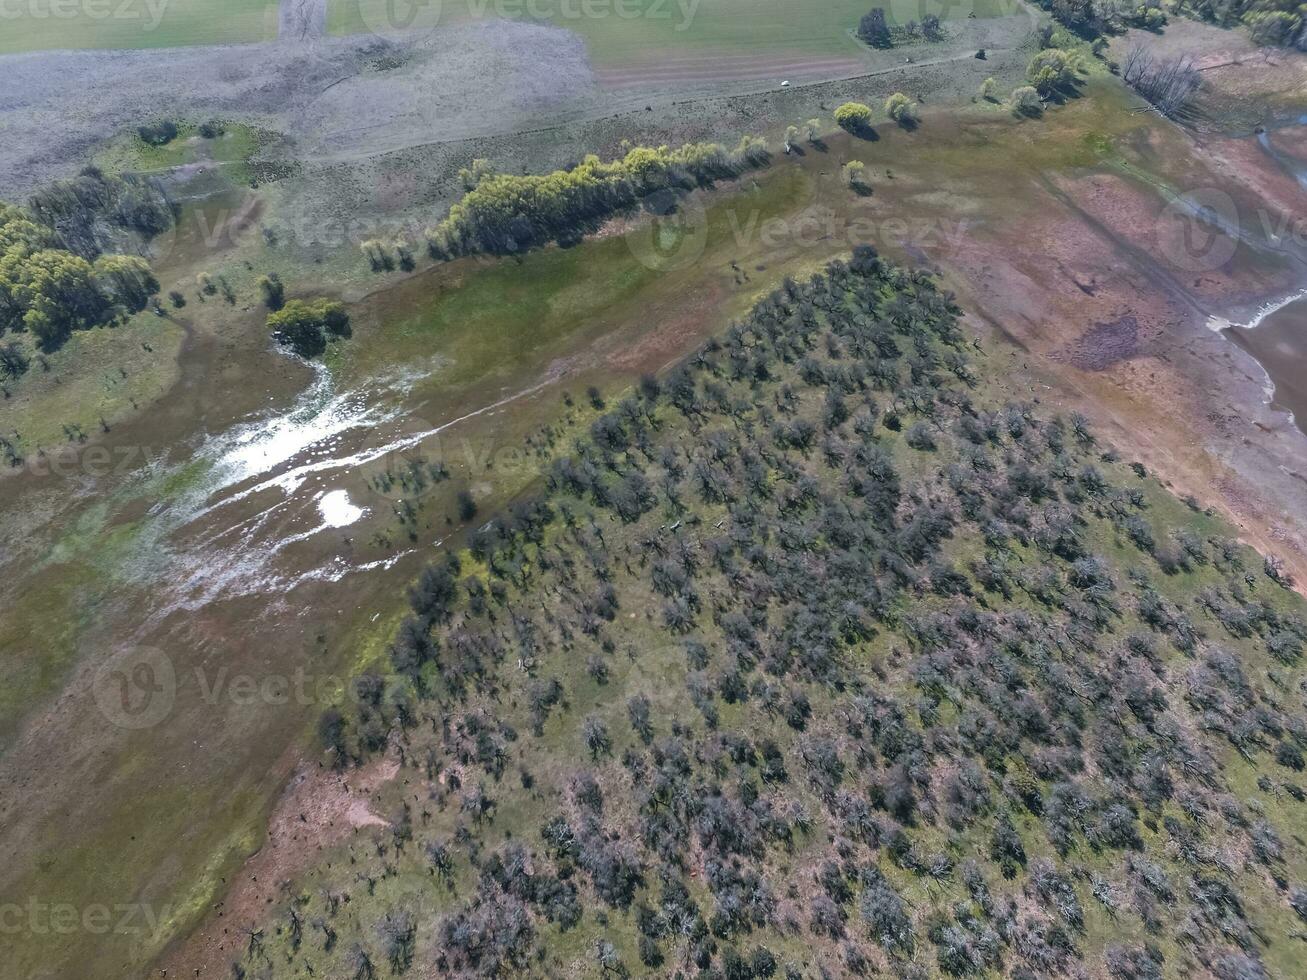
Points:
(231, 151)
(654, 29)
(101, 374)
(42, 25)
(501, 316)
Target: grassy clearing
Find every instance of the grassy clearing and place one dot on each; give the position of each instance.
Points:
(621, 32)
(488, 318)
(42, 25)
(231, 151)
(99, 375)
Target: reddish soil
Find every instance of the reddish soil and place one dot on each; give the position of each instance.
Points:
(319, 808)
(1124, 339)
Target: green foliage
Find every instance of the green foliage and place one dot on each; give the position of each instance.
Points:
(789, 689)
(853, 116)
(901, 109)
(855, 175)
(211, 129)
(305, 327)
(1052, 70)
(50, 292)
(158, 133)
(1025, 101)
(508, 213)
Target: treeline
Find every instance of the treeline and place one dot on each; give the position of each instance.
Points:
(874, 29)
(817, 658)
(1276, 22)
(95, 212)
(1271, 22)
(507, 213)
(48, 291)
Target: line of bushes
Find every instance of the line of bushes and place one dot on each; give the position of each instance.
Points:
(508, 213)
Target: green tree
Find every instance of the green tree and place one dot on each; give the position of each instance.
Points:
(901, 109)
(305, 327)
(1051, 70)
(855, 117)
(274, 291)
(855, 175)
(127, 280)
(1025, 101)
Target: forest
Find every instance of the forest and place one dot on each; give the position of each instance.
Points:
(820, 656)
(59, 271)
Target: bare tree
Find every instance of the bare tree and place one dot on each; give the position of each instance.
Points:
(1167, 83)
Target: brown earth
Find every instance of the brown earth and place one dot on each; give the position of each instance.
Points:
(319, 809)
(1243, 85)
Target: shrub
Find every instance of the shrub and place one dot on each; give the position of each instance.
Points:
(901, 109)
(1025, 101)
(853, 117)
(158, 133)
(305, 327)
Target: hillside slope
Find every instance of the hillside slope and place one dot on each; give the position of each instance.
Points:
(819, 659)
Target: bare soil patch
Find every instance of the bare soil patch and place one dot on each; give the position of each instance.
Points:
(319, 809)
(1106, 343)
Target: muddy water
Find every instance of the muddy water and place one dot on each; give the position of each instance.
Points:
(1279, 342)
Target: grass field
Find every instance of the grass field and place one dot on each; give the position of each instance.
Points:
(43, 25)
(618, 31)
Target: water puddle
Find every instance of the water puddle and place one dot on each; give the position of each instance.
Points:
(1276, 336)
(336, 509)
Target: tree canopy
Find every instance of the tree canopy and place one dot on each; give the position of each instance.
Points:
(306, 326)
(508, 213)
(49, 291)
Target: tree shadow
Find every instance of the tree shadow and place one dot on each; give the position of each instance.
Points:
(1063, 94)
(863, 132)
